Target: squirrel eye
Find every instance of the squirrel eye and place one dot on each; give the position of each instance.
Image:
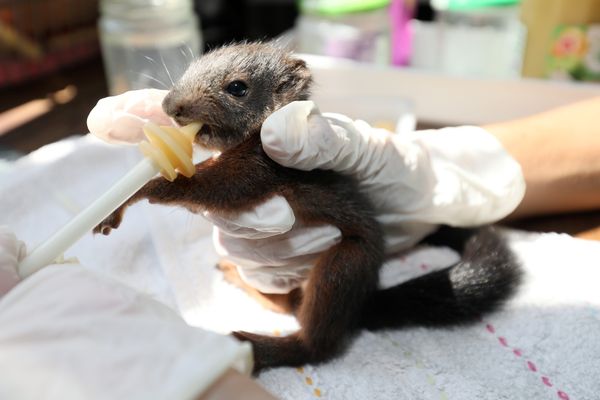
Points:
(237, 88)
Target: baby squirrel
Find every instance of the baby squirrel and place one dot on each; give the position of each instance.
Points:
(232, 90)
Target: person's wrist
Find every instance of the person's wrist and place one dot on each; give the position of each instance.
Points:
(234, 385)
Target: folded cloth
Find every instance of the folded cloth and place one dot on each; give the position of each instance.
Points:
(543, 345)
(71, 333)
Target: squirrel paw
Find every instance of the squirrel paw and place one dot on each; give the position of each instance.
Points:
(111, 222)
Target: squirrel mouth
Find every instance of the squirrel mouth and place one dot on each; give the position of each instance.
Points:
(204, 128)
(205, 136)
(205, 131)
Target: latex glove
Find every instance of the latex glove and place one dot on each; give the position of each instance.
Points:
(71, 333)
(12, 251)
(119, 119)
(456, 176)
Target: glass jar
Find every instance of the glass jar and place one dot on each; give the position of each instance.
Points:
(147, 43)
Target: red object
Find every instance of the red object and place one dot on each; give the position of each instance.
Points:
(18, 71)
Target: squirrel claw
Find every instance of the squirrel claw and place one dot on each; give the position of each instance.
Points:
(111, 222)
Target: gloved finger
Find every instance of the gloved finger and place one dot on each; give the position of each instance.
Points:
(299, 243)
(12, 251)
(119, 119)
(286, 138)
(298, 136)
(271, 218)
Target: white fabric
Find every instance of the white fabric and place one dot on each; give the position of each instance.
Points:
(543, 345)
(456, 176)
(70, 333)
(167, 253)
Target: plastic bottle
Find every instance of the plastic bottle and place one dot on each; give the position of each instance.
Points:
(147, 43)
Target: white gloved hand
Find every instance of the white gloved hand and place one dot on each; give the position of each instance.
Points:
(71, 333)
(119, 119)
(456, 176)
(12, 251)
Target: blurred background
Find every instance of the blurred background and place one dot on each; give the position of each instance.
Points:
(58, 57)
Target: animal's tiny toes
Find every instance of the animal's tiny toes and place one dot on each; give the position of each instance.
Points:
(103, 229)
(111, 222)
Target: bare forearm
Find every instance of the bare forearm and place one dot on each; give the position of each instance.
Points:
(559, 152)
(233, 385)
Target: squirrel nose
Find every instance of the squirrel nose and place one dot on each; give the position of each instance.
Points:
(171, 106)
(174, 107)
(179, 109)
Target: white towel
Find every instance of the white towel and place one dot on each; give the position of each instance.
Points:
(543, 345)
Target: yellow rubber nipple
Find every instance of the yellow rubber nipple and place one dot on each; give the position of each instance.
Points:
(171, 148)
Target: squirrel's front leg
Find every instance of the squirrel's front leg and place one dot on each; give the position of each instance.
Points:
(155, 190)
(227, 184)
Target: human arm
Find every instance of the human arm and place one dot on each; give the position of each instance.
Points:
(558, 152)
(234, 385)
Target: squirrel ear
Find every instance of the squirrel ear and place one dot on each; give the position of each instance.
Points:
(298, 79)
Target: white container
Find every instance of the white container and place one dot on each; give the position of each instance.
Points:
(147, 43)
(485, 42)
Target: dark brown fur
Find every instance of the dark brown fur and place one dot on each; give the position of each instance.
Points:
(344, 280)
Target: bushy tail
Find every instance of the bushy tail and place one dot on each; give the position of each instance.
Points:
(487, 275)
